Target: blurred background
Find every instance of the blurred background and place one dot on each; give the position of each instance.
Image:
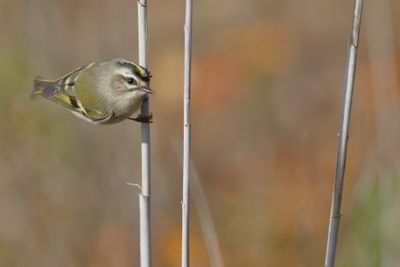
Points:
(266, 107)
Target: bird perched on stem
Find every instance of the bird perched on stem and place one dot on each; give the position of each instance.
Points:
(103, 92)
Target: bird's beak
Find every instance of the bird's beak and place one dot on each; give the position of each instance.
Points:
(148, 90)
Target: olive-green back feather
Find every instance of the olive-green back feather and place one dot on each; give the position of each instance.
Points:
(87, 90)
(75, 92)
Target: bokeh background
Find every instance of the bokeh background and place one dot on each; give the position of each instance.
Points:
(266, 106)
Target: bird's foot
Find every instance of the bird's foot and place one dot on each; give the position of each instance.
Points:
(143, 118)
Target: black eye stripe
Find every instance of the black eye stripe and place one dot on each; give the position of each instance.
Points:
(139, 71)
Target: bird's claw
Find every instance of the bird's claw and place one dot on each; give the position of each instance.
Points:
(143, 118)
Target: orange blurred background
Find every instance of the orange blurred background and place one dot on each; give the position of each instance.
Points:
(266, 107)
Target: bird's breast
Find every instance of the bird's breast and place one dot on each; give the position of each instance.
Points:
(125, 105)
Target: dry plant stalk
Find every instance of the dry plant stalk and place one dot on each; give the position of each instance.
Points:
(186, 133)
(199, 198)
(343, 137)
(144, 196)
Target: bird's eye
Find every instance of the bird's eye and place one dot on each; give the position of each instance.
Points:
(131, 81)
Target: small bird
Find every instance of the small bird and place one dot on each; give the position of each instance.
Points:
(102, 92)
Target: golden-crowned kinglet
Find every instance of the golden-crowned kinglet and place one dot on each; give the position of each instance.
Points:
(103, 92)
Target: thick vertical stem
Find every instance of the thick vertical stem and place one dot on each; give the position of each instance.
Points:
(186, 133)
(343, 137)
(144, 197)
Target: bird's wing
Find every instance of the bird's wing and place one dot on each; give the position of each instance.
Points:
(63, 92)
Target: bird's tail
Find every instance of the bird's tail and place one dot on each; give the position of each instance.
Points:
(39, 85)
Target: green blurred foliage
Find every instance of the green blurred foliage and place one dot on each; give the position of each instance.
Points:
(267, 92)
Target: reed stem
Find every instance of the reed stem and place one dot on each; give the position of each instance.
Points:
(343, 137)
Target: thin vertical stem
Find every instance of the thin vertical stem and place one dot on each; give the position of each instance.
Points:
(144, 197)
(343, 137)
(186, 133)
(203, 211)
